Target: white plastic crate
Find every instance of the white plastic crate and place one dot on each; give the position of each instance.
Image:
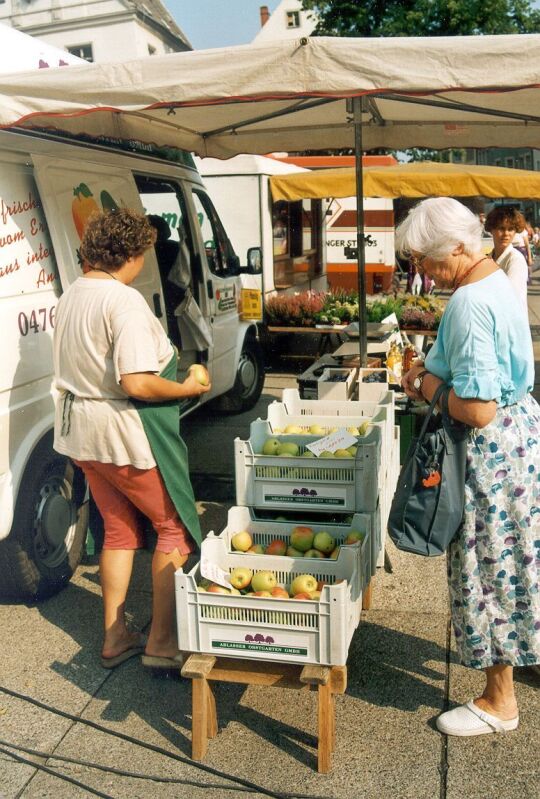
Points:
(268, 628)
(342, 390)
(297, 406)
(346, 485)
(264, 531)
(382, 416)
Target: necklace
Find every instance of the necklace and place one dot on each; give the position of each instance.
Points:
(97, 269)
(468, 272)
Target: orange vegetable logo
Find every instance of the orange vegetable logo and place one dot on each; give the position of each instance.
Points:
(82, 207)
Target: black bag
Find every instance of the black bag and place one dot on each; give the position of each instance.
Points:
(427, 508)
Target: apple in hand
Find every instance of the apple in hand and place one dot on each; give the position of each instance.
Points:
(303, 584)
(241, 541)
(263, 581)
(302, 538)
(324, 542)
(240, 577)
(276, 547)
(199, 373)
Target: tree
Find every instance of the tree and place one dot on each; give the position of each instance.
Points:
(422, 17)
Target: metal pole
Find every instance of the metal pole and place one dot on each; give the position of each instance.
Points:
(361, 252)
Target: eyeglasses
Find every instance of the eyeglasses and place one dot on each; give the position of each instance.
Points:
(418, 260)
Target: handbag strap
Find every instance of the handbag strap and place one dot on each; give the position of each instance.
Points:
(431, 409)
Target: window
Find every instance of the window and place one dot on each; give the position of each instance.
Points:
(82, 51)
(293, 19)
(509, 162)
(297, 238)
(220, 255)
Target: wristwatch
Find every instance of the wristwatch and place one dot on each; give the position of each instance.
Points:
(419, 379)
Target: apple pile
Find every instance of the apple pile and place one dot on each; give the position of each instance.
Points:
(264, 583)
(303, 543)
(319, 430)
(287, 449)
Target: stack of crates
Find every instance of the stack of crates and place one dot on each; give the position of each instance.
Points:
(274, 494)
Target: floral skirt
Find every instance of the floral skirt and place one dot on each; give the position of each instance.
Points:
(493, 563)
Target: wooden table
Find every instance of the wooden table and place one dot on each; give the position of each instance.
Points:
(203, 669)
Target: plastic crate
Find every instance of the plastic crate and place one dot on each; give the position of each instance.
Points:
(263, 532)
(297, 406)
(325, 484)
(341, 391)
(268, 628)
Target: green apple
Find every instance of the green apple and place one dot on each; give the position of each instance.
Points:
(294, 553)
(302, 538)
(354, 537)
(288, 448)
(313, 553)
(199, 373)
(240, 577)
(342, 453)
(264, 581)
(271, 446)
(353, 431)
(363, 428)
(317, 430)
(308, 454)
(352, 451)
(303, 584)
(324, 542)
(326, 454)
(242, 541)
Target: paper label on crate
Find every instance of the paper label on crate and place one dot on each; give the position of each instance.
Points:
(341, 439)
(212, 572)
(305, 495)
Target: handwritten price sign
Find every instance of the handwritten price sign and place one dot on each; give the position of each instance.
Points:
(341, 439)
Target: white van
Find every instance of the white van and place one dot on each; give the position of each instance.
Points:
(290, 235)
(48, 188)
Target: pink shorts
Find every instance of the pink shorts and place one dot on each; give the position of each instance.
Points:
(120, 492)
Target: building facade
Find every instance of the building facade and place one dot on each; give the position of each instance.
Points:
(98, 30)
(288, 21)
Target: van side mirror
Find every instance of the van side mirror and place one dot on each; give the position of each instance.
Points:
(254, 261)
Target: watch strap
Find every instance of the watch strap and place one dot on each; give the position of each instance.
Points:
(420, 377)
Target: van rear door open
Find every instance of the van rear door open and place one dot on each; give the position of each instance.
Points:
(72, 191)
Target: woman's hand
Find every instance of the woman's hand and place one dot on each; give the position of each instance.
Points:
(408, 379)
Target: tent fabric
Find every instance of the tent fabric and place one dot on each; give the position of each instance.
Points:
(291, 95)
(419, 179)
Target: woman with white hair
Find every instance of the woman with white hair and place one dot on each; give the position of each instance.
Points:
(484, 352)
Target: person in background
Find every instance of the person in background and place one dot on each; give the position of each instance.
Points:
(117, 417)
(521, 241)
(503, 223)
(483, 350)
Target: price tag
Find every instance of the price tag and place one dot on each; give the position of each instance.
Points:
(213, 572)
(341, 439)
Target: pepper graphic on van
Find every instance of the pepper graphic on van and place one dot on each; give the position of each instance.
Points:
(82, 207)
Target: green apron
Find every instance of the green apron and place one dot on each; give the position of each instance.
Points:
(161, 422)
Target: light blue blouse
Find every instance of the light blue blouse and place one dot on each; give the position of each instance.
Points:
(483, 347)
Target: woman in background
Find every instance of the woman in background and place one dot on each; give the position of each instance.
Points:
(503, 223)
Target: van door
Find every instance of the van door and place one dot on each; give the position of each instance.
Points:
(71, 191)
(220, 298)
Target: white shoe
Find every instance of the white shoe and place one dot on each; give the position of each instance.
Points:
(469, 719)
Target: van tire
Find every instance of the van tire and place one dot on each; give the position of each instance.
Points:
(48, 534)
(249, 381)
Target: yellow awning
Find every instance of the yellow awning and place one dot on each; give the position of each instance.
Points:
(417, 179)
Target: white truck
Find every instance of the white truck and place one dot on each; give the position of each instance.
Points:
(290, 235)
(48, 187)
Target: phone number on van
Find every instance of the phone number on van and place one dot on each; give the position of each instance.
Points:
(38, 321)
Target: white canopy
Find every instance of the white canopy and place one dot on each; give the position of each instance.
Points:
(20, 51)
(477, 91)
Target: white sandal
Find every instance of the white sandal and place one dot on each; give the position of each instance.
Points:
(469, 719)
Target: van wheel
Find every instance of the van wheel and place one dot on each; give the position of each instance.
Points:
(46, 541)
(249, 380)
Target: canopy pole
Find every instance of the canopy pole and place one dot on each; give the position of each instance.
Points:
(357, 105)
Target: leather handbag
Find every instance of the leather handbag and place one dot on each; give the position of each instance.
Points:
(427, 508)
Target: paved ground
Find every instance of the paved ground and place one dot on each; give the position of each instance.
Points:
(402, 674)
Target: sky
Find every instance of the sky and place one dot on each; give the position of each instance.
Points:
(218, 23)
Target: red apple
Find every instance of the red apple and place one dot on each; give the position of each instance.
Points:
(321, 584)
(302, 595)
(279, 592)
(256, 549)
(276, 547)
(302, 538)
(354, 537)
(262, 593)
(214, 588)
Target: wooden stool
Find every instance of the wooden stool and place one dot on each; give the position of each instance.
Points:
(202, 669)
